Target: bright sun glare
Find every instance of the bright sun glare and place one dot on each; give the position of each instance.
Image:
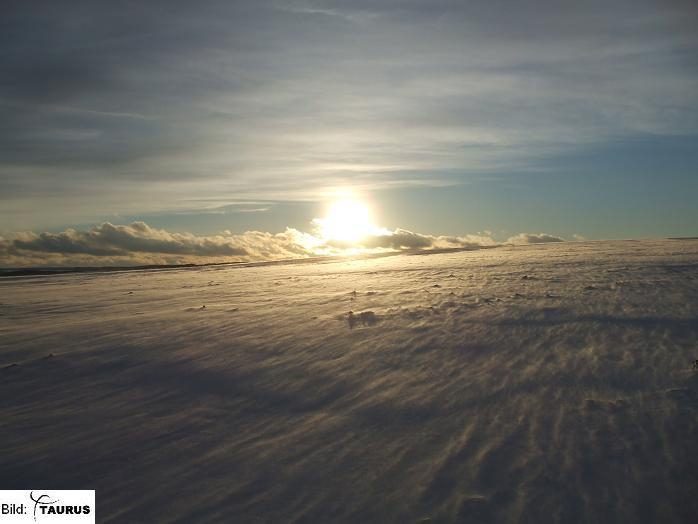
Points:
(347, 221)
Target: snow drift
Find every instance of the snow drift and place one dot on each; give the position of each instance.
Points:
(534, 383)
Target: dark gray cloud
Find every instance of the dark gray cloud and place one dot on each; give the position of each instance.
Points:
(403, 239)
(396, 240)
(110, 240)
(400, 239)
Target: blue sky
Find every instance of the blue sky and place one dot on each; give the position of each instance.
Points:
(635, 188)
(450, 118)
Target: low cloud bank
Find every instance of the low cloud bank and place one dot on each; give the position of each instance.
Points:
(139, 244)
(402, 239)
(532, 238)
(110, 240)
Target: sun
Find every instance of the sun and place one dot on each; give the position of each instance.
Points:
(347, 221)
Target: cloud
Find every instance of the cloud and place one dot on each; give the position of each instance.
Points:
(283, 100)
(402, 239)
(399, 239)
(110, 240)
(533, 238)
(140, 244)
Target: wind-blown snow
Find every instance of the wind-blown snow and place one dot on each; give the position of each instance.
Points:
(542, 383)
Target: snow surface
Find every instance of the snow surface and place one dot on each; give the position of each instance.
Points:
(546, 383)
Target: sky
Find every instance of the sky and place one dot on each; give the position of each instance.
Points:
(215, 119)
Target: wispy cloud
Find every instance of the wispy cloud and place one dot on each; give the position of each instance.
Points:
(269, 100)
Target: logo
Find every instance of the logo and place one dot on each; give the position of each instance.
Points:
(47, 507)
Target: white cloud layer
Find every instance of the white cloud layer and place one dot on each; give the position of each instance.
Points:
(533, 238)
(139, 244)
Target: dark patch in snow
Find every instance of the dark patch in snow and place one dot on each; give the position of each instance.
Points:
(365, 318)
